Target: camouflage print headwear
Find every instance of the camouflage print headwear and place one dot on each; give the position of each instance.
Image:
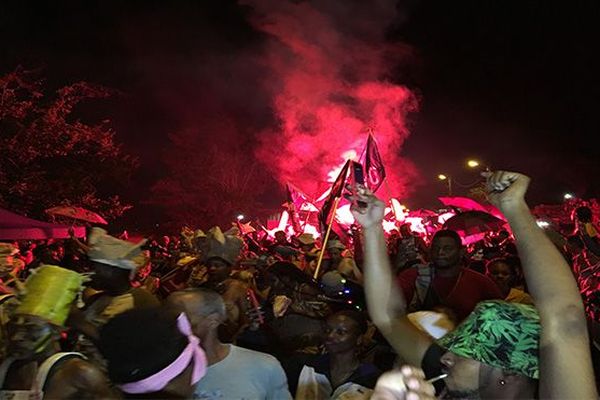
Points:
(500, 334)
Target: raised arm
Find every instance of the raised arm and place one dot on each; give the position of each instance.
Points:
(565, 361)
(385, 301)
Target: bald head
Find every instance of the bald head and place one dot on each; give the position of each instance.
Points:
(198, 302)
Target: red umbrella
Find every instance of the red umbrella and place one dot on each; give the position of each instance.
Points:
(464, 203)
(474, 222)
(77, 213)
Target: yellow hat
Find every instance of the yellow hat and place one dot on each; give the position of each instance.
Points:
(49, 293)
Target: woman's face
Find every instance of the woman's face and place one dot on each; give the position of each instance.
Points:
(341, 334)
(501, 274)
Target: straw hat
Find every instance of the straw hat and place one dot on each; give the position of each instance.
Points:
(109, 250)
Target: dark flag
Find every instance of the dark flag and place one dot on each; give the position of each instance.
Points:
(336, 191)
(374, 171)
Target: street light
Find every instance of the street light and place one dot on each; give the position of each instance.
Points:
(240, 217)
(471, 163)
(568, 196)
(448, 179)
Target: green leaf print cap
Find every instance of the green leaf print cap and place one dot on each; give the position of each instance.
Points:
(500, 334)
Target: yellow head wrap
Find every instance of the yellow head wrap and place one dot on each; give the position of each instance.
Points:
(49, 293)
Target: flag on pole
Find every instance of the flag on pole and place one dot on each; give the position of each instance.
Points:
(374, 170)
(336, 191)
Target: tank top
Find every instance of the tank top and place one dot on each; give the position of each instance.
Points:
(37, 389)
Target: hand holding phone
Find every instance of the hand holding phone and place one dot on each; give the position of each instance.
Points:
(357, 178)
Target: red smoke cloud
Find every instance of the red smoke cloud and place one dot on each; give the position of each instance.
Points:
(329, 63)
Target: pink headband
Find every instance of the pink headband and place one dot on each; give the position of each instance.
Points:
(161, 379)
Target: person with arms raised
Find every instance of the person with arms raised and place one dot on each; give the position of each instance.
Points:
(494, 353)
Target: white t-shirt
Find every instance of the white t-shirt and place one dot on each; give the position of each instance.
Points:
(244, 375)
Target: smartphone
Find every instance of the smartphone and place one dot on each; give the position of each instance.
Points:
(357, 178)
(358, 174)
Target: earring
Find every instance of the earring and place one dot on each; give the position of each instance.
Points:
(502, 382)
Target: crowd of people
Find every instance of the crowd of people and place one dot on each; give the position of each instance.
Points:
(237, 315)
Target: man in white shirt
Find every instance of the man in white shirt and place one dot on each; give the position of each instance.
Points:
(233, 372)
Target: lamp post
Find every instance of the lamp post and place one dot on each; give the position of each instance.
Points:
(472, 164)
(476, 164)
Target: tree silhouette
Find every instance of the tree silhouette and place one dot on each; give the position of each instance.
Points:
(51, 158)
(209, 184)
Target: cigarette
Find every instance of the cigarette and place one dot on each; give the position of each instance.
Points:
(437, 378)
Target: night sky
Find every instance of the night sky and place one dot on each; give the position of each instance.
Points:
(513, 84)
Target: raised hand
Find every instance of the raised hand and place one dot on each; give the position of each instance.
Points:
(367, 209)
(407, 383)
(506, 189)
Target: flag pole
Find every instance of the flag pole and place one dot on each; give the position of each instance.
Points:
(335, 204)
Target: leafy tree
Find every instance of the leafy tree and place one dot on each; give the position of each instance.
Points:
(51, 158)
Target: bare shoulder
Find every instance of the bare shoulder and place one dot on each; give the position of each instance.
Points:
(236, 284)
(80, 368)
(77, 376)
(235, 288)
